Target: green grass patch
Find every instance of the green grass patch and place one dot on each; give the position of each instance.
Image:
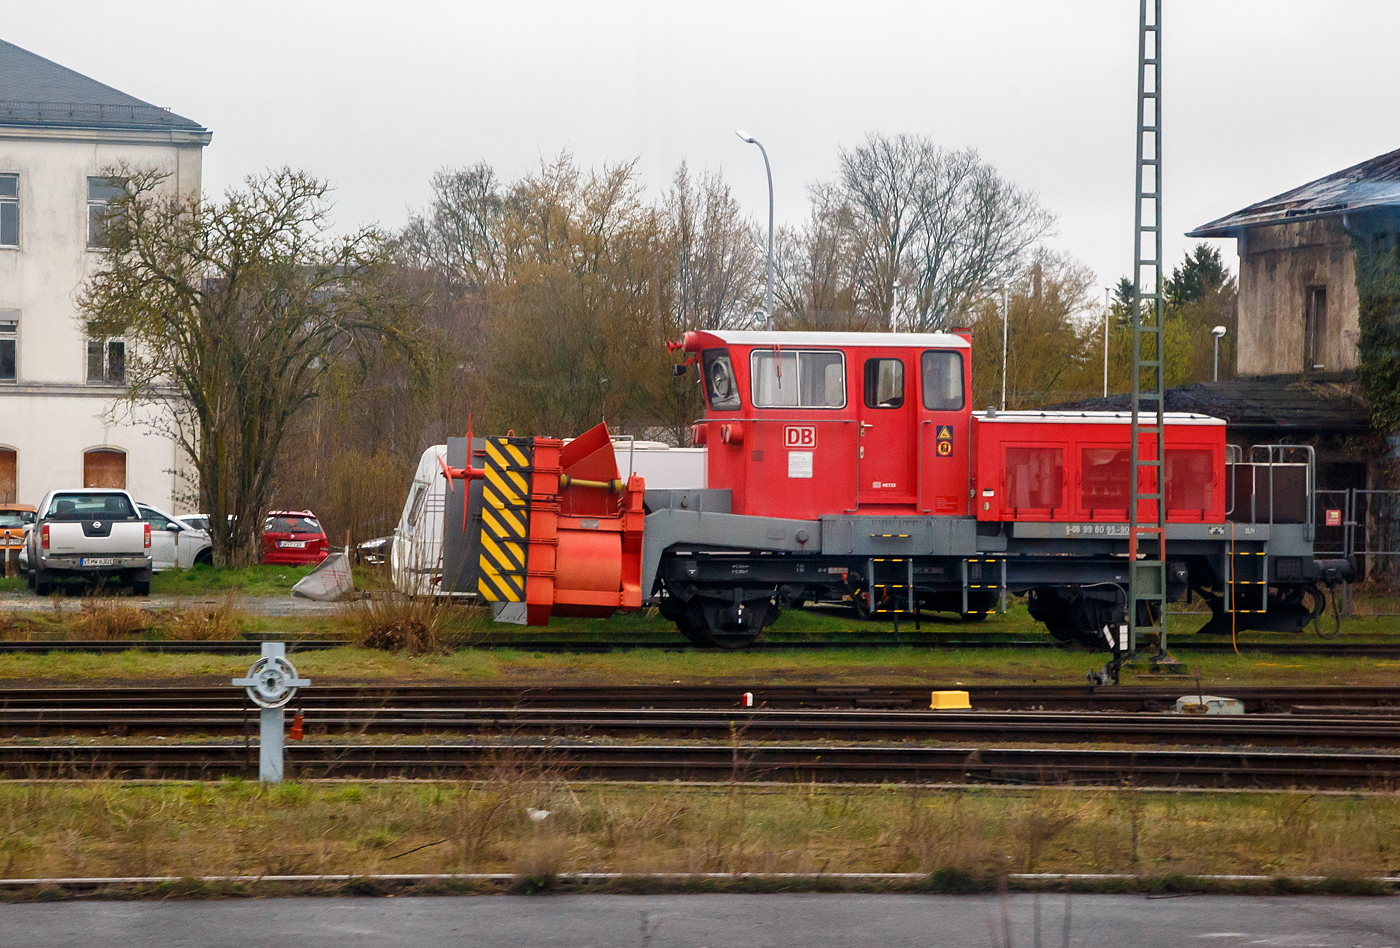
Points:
(927, 667)
(248, 580)
(967, 839)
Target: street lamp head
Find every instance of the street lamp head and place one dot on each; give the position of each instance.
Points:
(1218, 331)
(745, 136)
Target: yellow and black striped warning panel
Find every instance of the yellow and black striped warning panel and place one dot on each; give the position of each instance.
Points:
(505, 519)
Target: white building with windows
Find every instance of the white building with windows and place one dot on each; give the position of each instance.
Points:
(59, 132)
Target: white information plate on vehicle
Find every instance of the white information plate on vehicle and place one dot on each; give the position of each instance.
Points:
(98, 561)
(298, 544)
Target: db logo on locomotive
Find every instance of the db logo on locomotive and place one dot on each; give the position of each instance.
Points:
(800, 436)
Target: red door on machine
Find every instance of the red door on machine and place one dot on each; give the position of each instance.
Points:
(886, 463)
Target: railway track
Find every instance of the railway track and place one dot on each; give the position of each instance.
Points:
(1325, 649)
(881, 763)
(1314, 729)
(680, 696)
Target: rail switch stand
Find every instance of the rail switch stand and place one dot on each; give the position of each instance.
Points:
(271, 683)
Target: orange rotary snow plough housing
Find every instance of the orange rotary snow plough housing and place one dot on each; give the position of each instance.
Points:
(561, 531)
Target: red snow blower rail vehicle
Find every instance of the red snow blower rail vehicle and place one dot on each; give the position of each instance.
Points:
(849, 467)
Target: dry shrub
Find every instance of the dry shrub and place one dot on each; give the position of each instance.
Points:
(1045, 817)
(938, 833)
(214, 622)
(14, 627)
(105, 621)
(395, 623)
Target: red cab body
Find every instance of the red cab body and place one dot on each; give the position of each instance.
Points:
(1074, 467)
(804, 424)
(293, 538)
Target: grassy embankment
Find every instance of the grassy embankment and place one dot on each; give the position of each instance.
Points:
(237, 827)
(935, 668)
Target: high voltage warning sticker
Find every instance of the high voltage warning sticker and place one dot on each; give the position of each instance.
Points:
(505, 519)
(945, 440)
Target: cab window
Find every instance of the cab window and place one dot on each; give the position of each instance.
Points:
(942, 380)
(798, 378)
(721, 388)
(884, 383)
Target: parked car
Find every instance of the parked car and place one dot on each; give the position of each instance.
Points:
(175, 545)
(92, 532)
(198, 522)
(14, 521)
(293, 538)
(374, 552)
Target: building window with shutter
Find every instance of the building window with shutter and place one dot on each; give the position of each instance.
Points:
(106, 361)
(104, 467)
(1315, 329)
(9, 210)
(9, 345)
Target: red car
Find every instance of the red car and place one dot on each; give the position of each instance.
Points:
(293, 538)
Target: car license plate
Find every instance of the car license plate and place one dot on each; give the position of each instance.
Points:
(99, 561)
(292, 544)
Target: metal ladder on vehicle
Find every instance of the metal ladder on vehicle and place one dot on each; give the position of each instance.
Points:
(974, 576)
(1247, 581)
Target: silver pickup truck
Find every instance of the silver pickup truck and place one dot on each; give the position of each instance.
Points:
(94, 532)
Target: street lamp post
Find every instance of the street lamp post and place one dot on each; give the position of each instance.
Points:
(1106, 310)
(768, 298)
(1217, 332)
(1005, 315)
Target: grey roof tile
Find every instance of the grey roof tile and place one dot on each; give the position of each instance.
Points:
(38, 92)
(1369, 186)
(1282, 402)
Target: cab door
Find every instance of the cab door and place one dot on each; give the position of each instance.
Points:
(885, 462)
(944, 432)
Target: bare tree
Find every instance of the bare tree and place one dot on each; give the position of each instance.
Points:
(816, 269)
(717, 259)
(237, 312)
(460, 236)
(933, 229)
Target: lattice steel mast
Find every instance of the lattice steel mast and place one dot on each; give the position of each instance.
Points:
(1147, 516)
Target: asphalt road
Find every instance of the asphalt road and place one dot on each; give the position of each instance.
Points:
(713, 921)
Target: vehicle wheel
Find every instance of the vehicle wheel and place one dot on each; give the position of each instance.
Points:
(43, 585)
(29, 575)
(731, 625)
(974, 616)
(204, 558)
(860, 605)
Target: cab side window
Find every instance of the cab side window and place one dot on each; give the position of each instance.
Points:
(884, 383)
(942, 373)
(721, 388)
(798, 378)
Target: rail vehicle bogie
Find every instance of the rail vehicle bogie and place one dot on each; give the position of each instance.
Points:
(850, 468)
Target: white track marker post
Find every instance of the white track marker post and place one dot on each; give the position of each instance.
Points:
(271, 683)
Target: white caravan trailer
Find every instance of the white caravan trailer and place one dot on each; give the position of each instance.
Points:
(415, 553)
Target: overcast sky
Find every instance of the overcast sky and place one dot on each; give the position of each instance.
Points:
(1259, 95)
